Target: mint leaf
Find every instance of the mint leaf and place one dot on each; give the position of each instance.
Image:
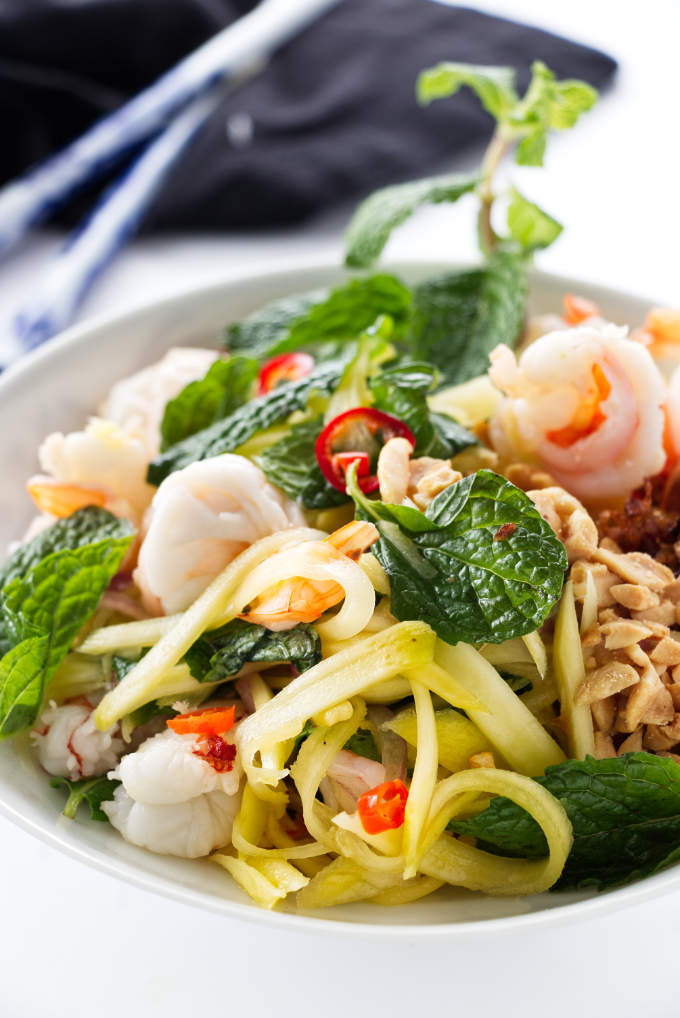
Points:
(402, 391)
(291, 465)
(625, 813)
(363, 744)
(531, 149)
(461, 568)
(321, 317)
(547, 105)
(221, 653)
(23, 672)
(529, 225)
(93, 791)
(84, 526)
(493, 86)
(256, 415)
(226, 386)
(459, 318)
(58, 595)
(384, 210)
(44, 610)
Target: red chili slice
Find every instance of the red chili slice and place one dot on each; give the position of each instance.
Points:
(287, 367)
(383, 808)
(206, 721)
(334, 446)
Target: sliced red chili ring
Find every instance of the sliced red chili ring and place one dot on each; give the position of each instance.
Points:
(383, 808)
(335, 449)
(287, 367)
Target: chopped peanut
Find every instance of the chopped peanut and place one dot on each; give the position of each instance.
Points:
(610, 678)
(634, 597)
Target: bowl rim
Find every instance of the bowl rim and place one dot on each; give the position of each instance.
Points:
(614, 900)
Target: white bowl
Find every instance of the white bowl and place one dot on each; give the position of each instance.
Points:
(55, 389)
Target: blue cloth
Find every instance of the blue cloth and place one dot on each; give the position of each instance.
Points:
(333, 116)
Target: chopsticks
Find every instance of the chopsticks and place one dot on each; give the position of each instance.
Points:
(237, 50)
(92, 246)
(188, 93)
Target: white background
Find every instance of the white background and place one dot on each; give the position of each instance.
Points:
(75, 942)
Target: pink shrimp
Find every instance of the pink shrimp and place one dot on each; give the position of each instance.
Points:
(586, 404)
(299, 600)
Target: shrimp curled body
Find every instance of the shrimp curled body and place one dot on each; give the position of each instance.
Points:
(586, 403)
(200, 519)
(173, 800)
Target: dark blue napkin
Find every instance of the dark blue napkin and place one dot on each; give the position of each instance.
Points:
(333, 116)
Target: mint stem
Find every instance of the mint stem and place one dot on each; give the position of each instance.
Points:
(496, 150)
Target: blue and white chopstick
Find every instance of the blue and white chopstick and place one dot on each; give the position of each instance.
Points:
(115, 218)
(231, 53)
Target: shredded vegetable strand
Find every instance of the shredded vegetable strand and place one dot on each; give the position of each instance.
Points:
(250, 825)
(569, 672)
(332, 681)
(458, 863)
(280, 839)
(589, 610)
(139, 685)
(341, 882)
(255, 884)
(129, 635)
(267, 881)
(506, 721)
(409, 890)
(315, 757)
(423, 781)
(446, 685)
(275, 758)
(536, 647)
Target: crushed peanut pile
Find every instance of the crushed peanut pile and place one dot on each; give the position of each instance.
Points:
(630, 611)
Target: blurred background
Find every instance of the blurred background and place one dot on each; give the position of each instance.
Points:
(273, 176)
(270, 184)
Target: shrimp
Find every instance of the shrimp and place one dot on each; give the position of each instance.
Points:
(69, 744)
(286, 603)
(200, 519)
(586, 404)
(179, 795)
(189, 829)
(101, 465)
(137, 403)
(170, 768)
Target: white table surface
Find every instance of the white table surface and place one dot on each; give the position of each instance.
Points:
(74, 942)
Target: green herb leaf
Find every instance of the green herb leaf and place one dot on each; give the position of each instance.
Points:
(363, 744)
(548, 105)
(225, 387)
(257, 415)
(323, 316)
(93, 791)
(291, 465)
(529, 225)
(85, 526)
(459, 318)
(221, 653)
(402, 391)
(44, 611)
(461, 568)
(384, 210)
(625, 813)
(493, 86)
